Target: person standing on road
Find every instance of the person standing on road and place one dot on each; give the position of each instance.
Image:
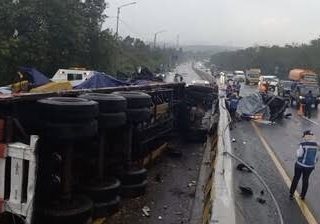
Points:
(307, 156)
(309, 101)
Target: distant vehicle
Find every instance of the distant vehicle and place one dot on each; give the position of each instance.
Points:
(303, 76)
(252, 76)
(299, 91)
(229, 77)
(239, 76)
(284, 88)
(200, 83)
(74, 75)
(271, 80)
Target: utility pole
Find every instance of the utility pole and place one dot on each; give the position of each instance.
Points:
(155, 38)
(118, 15)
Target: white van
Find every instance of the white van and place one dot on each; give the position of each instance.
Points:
(74, 75)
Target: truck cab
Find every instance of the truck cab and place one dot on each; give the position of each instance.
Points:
(74, 75)
(252, 76)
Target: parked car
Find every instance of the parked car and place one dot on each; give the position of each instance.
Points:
(239, 76)
(284, 88)
(300, 90)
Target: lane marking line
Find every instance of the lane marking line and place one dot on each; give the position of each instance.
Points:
(302, 205)
(316, 123)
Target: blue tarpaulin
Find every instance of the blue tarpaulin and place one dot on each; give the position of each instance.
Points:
(37, 78)
(100, 80)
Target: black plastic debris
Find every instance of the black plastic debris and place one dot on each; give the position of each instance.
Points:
(261, 200)
(246, 190)
(243, 167)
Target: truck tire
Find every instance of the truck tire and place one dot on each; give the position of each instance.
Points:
(78, 210)
(138, 115)
(102, 192)
(112, 120)
(103, 209)
(134, 176)
(134, 190)
(67, 109)
(136, 100)
(108, 103)
(69, 131)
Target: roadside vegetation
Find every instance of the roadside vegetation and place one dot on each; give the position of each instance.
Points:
(273, 60)
(49, 35)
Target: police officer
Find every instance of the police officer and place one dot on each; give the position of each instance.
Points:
(306, 160)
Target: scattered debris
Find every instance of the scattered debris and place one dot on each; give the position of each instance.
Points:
(288, 115)
(244, 142)
(158, 178)
(243, 167)
(233, 140)
(165, 207)
(246, 190)
(146, 211)
(175, 153)
(160, 217)
(261, 200)
(192, 183)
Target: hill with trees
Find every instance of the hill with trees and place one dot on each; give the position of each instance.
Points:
(49, 35)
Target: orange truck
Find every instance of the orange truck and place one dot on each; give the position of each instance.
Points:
(303, 76)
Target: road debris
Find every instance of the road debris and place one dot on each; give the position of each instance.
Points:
(246, 190)
(261, 200)
(233, 140)
(244, 142)
(146, 211)
(192, 183)
(160, 217)
(243, 167)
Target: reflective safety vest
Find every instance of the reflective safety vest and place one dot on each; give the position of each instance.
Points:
(309, 156)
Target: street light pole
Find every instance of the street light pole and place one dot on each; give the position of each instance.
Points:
(118, 15)
(155, 38)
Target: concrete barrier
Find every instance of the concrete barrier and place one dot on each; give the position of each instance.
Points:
(222, 193)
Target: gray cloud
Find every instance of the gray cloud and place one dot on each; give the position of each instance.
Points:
(220, 22)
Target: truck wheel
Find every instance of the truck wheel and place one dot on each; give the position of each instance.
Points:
(134, 176)
(136, 100)
(102, 210)
(69, 131)
(138, 115)
(102, 192)
(134, 190)
(112, 120)
(78, 210)
(108, 103)
(67, 109)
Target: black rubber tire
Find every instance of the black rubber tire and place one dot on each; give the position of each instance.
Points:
(138, 115)
(79, 211)
(69, 131)
(112, 120)
(67, 109)
(102, 192)
(134, 176)
(203, 89)
(136, 100)
(134, 190)
(108, 103)
(102, 210)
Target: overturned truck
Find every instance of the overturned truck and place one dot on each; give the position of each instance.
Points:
(70, 157)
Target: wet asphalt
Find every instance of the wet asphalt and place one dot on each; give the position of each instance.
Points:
(283, 138)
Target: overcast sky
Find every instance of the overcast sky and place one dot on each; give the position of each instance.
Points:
(238, 23)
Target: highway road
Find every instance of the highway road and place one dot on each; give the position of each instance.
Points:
(187, 73)
(271, 150)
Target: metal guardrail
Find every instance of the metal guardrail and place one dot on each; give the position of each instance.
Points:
(223, 208)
